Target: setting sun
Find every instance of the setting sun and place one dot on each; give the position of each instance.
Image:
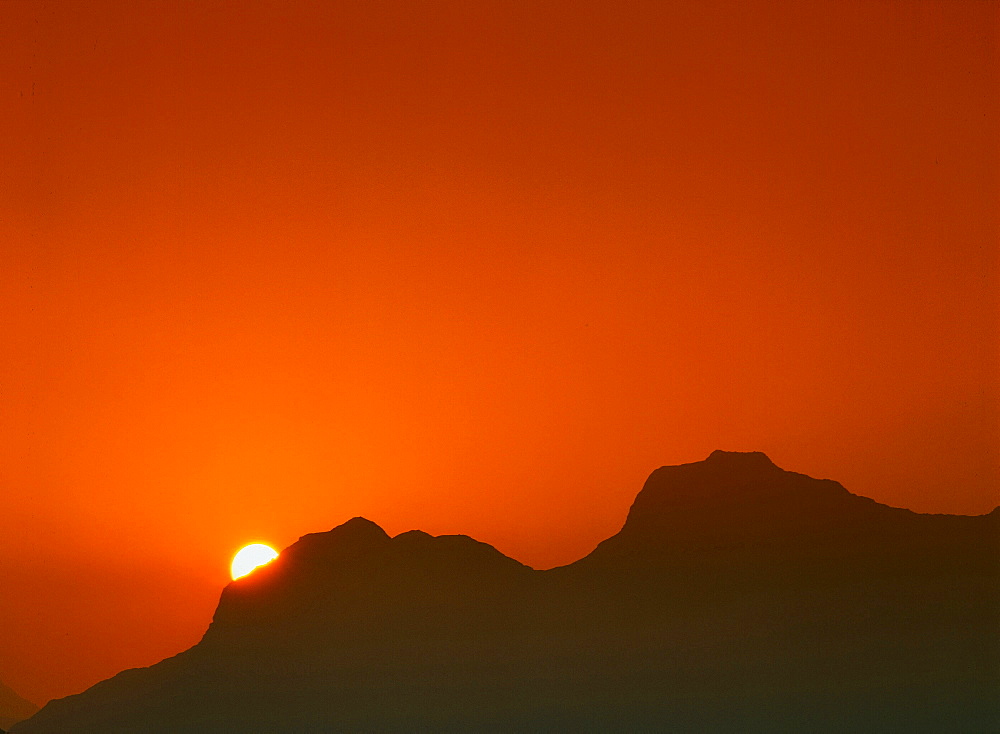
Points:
(424, 294)
(250, 557)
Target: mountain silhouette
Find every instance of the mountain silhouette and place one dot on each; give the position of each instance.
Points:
(736, 597)
(13, 708)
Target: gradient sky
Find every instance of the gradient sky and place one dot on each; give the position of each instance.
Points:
(471, 268)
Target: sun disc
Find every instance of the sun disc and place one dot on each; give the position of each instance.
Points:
(250, 557)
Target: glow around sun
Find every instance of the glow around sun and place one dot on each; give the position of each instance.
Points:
(250, 557)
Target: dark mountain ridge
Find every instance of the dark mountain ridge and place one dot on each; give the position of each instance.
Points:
(736, 597)
(744, 509)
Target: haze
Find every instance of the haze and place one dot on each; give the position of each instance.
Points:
(471, 268)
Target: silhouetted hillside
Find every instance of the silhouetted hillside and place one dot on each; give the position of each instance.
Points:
(13, 708)
(737, 597)
(738, 511)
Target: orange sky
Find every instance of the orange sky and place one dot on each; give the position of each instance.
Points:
(467, 267)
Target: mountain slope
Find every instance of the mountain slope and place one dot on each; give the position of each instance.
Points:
(13, 708)
(737, 597)
(742, 511)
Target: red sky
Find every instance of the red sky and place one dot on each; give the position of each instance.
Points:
(467, 267)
